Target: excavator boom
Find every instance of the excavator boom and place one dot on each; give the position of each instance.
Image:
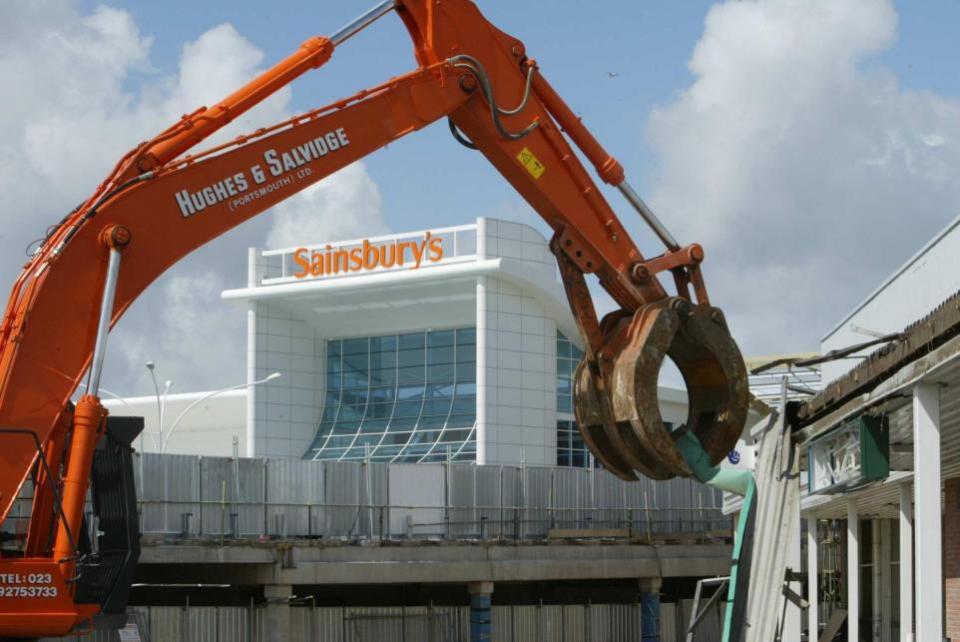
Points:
(158, 205)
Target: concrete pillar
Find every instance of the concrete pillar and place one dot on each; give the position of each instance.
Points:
(926, 478)
(276, 613)
(906, 563)
(650, 609)
(480, 628)
(481, 339)
(253, 280)
(482, 379)
(853, 570)
(813, 583)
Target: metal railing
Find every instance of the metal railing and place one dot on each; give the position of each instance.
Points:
(509, 522)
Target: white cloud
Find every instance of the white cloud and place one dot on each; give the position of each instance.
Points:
(343, 206)
(82, 92)
(801, 164)
(195, 339)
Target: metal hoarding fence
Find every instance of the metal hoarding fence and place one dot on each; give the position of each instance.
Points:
(210, 497)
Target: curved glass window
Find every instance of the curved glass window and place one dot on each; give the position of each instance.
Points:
(405, 398)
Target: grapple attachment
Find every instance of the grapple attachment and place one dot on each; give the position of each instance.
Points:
(616, 401)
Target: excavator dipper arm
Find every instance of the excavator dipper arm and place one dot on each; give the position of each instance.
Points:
(158, 205)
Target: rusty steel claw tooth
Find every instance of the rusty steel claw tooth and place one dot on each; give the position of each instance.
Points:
(610, 441)
(716, 380)
(590, 421)
(635, 378)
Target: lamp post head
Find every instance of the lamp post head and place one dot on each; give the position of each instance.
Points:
(273, 375)
(149, 365)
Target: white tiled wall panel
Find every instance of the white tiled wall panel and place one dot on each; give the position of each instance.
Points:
(288, 409)
(521, 361)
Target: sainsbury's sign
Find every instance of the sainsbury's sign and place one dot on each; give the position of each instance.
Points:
(367, 256)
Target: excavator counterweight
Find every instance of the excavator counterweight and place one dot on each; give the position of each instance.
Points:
(159, 204)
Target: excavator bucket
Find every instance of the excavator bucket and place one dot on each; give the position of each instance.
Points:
(616, 401)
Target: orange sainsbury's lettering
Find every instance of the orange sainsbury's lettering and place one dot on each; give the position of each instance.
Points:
(367, 256)
(370, 256)
(356, 260)
(436, 249)
(300, 258)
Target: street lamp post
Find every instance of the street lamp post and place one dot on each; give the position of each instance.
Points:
(176, 422)
(161, 402)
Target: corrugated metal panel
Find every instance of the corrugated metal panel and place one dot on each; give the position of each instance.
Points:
(526, 624)
(217, 491)
(511, 498)
(573, 623)
(463, 500)
(302, 627)
(537, 484)
(370, 624)
(249, 489)
(328, 625)
(233, 624)
(490, 513)
(376, 480)
(295, 489)
(669, 629)
(501, 623)
(550, 619)
(344, 497)
(417, 498)
(431, 624)
(624, 623)
(663, 516)
(169, 491)
(200, 623)
(164, 623)
(611, 500)
(566, 497)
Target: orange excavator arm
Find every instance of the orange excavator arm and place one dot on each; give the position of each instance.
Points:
(158, 205)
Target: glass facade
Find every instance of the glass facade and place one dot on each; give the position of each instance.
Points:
(400, 398)
(571, 451)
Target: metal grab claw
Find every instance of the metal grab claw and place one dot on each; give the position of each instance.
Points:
(616, 400)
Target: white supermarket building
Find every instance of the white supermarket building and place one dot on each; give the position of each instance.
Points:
(446, 344)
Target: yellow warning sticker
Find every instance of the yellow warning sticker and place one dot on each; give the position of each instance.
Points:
(533, 165)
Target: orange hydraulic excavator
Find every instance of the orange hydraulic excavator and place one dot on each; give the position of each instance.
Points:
(159, 204)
